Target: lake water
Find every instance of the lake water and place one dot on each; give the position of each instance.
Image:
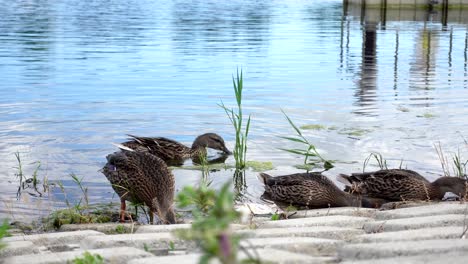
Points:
(78, 75)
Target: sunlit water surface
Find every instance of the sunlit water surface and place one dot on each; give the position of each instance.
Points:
(78, 75)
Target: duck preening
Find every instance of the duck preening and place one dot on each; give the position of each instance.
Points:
(310, 190)
(142, 178)
(401, 185)
(173, 152)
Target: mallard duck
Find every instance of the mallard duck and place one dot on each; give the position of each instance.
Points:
(401, 185)
(143, 178)
(173, 152)
(309, 190)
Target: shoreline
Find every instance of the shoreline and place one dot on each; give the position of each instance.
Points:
(331, 235)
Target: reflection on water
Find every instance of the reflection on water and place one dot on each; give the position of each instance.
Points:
(77, 75)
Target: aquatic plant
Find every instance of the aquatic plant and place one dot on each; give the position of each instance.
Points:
(311, 156)
(88, 258)
(259, 166)
(381, 162)
(213, 212)
(313, 127)
(458, 165)
(84, 190)
(237, 118)
(24, 182)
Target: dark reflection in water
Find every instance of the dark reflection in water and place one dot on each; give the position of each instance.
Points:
(368, 72)
(77, 75)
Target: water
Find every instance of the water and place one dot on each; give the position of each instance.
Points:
(77, 75)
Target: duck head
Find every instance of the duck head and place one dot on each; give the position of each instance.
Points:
(211, 140)
(454, 185)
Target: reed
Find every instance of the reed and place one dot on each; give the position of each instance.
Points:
(19, 174)
(458, 164)
(84, 190)
(312, 157)
(381, 162)
(25, 182)
(237, 120)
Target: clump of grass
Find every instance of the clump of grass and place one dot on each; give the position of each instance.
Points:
(171, 246)
(3, 233)
(24, 182)
(237, 120)
(88, 258)
(79, 212)
(458, 165)
(210, 228)
(120, 229)
(381, 162)
(275, 217)
(311, 156)
(84, 190)
(75, 216)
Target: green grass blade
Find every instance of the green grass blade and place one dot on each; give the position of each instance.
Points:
(294, 139)
(292, 124)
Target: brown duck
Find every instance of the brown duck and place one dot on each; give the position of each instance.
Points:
(142, 177)
(310, 190)
(401, 185)
(173, 152)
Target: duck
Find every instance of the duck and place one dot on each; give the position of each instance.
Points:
(142, 177)
(173, 152)
(402, 185)
(310, 191)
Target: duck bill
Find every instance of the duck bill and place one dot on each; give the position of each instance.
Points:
(227, 151)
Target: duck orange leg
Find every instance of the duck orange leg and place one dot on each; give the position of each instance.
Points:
(122, 210)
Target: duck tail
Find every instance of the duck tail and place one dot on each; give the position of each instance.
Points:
(263, 178)
(136, 138)
(122, 147)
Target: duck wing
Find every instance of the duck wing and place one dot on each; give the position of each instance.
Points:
(164, 148)
(304, 190)
(394, 184)
(289, 180)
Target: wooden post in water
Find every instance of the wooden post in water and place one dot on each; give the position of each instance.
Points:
(383, 13)
(444, 12)
(363, 11)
